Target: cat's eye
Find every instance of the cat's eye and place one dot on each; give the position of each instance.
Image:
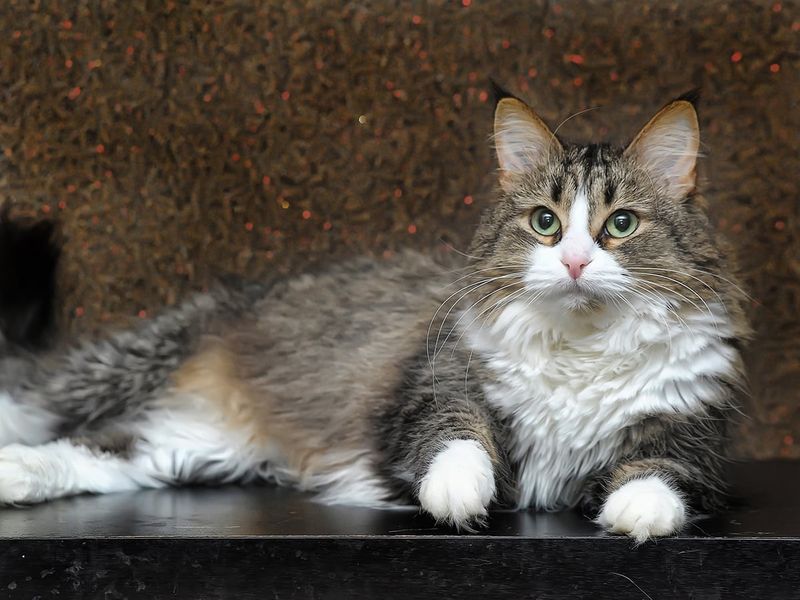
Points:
(621, 224)
(545, 222)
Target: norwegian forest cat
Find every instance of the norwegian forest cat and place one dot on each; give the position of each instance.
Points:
(586, 353)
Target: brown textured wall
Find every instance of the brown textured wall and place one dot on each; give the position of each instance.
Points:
(175, 140)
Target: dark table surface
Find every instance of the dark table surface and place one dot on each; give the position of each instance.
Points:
(768, 497)
(265, 542)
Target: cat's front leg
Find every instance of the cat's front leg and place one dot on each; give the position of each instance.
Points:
(653, 497)
(672, 471)
(443, 453)
(455, 460)
(647, 505)
(459, 483)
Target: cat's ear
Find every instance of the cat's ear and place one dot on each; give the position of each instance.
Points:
(521, 138)
(667, 147)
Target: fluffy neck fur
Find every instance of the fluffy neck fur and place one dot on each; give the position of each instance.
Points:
(571, 384)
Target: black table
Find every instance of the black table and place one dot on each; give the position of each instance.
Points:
(264, 542)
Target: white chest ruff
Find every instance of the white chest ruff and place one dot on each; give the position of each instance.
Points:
(570, 388)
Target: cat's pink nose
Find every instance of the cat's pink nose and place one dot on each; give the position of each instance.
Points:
(575, 265)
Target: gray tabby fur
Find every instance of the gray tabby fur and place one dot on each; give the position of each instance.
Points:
(328, 374)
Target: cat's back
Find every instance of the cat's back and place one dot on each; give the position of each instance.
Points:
(344, 330)
(354, 297)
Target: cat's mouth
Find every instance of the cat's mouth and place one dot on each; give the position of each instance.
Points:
(579, 295)
(579, 288)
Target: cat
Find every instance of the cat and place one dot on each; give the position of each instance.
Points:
(586, 353)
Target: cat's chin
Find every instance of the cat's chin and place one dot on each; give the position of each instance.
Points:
(578, 298)
(581, 302)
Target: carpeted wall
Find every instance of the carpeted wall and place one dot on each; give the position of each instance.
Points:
(180, 139)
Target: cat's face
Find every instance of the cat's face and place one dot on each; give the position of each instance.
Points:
(588, 225)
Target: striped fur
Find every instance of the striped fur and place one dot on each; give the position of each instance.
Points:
(507, 379)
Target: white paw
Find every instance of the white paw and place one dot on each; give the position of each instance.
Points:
(644, 508)
(459, 484)
(20, 475)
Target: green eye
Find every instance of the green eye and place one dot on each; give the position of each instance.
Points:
(545, 222)
(621, 224)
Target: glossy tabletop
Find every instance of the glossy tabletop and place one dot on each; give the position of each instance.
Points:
(767, 505)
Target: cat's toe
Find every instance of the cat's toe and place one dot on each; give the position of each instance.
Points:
(459, 484)
(19, 475)
(644, 508)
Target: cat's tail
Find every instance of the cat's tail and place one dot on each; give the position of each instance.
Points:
(98, 383)
(50, 387)
(29, 257)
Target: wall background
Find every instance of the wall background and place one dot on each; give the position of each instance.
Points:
(178, 139)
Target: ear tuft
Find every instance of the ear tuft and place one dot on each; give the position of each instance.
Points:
(499, 92)
(668, 145)
(692, 97)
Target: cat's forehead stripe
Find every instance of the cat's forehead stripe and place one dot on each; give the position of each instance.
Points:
(556, 189)
(610, 190)
(589, 169)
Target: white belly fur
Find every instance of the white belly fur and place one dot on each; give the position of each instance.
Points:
(570, 384)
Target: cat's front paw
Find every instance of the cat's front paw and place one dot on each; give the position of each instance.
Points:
(459, 484)
(644, 508)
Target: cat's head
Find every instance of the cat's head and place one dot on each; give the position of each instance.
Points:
(585, 225)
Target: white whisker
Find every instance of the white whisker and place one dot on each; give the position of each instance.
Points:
(710, 313)
(466, 291)
(502, 302)
(437, 348)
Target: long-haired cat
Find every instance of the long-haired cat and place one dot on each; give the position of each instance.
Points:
(587, 354)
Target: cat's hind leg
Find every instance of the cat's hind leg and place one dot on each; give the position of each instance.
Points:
(25, 423)
(32, 474)
(184, 441)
